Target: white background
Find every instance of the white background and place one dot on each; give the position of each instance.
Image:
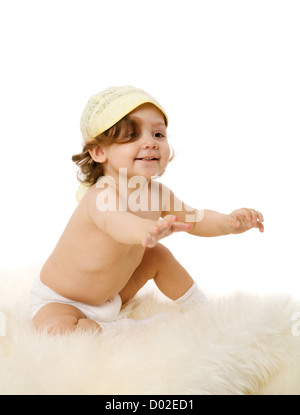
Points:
(227, 73)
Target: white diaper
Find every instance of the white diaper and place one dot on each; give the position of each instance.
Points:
(42, 295)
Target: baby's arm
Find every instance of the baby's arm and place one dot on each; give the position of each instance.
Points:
(217, 224)
(162, 228)
(211, 223)
(128, 228)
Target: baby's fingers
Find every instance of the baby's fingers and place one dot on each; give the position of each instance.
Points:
(160, 226)
(260, 227)
(147, 242)
(260, 217)
(181, 227)
(177, 226)
(248, 217)
(161, 229)
(257, 219)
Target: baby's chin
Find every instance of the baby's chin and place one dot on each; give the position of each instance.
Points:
(149, 170)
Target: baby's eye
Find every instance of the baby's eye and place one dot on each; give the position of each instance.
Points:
(132, 135)
(159, 135)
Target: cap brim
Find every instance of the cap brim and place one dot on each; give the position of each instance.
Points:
(105, 116)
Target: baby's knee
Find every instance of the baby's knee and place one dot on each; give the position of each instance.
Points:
(87, 325)
(160, 253)
(59, 324)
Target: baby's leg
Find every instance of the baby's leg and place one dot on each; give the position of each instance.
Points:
(60, 318)
(160, 265)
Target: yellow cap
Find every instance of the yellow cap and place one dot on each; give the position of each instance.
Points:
(106, 108)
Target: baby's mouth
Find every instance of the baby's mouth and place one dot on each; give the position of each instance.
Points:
(146, 158)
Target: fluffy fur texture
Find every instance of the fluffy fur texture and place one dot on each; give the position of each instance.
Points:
(238, 344)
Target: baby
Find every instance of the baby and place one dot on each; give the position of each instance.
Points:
(110, 247)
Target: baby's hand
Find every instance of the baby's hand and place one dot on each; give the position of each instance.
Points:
(163, 228)
(242, 220)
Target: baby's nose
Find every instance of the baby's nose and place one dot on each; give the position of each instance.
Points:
(149, 141)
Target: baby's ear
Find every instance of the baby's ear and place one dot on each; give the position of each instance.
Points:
(97, 154)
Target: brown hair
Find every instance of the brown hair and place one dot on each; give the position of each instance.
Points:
(127, 129)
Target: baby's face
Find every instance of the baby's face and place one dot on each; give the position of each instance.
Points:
(148, 154)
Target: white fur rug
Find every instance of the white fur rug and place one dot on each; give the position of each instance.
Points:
(238, 344)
